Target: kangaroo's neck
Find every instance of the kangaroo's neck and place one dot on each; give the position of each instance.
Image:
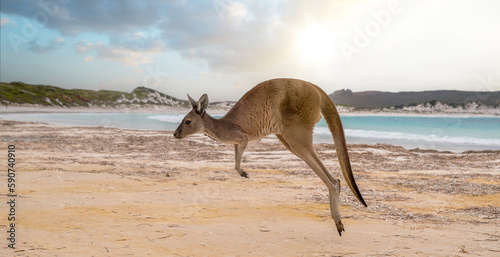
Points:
(216, 128)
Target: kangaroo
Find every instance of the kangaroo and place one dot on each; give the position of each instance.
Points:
(288, 108)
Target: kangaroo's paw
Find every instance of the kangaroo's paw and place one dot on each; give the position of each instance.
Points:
(340, 227)
(243, 173)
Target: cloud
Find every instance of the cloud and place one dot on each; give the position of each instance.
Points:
(228, 40)
(85, 46)
(244, 36)
(75, 17)
(131, 49)
(259, 37)
(107, 52)
(138, 42)
(226, 35)
(55, 44)
(4, 21)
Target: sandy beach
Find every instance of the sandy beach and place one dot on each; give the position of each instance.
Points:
(84, 191)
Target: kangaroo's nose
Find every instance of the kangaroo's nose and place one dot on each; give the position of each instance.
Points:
(176, 134)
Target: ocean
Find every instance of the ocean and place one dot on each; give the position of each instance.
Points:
(454, 134)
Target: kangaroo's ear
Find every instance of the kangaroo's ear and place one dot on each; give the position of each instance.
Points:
(192, 102)
(202, 104)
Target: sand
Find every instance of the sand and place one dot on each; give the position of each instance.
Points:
(110, 192)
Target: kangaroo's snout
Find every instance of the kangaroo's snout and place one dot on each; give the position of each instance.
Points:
(177, 134)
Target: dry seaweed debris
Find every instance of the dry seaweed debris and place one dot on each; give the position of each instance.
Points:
(445, 185)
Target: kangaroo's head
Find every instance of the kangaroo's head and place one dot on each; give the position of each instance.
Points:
(193, 122)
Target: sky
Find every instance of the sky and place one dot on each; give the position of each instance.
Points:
(225, 47)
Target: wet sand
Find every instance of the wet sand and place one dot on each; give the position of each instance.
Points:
(112, 192)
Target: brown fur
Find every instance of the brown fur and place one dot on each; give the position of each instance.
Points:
(288, 108)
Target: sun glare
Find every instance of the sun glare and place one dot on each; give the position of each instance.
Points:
(314, 44)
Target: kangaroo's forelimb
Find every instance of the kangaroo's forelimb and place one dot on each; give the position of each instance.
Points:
(238, 152)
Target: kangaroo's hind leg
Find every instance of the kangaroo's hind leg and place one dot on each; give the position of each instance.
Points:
(299, 142)
(238, 152)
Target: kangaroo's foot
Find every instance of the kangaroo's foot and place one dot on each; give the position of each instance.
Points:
(242, 173)
(340, 227)
(334, 205)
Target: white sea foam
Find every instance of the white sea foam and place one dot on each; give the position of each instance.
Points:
(386, 135)
(172, 118)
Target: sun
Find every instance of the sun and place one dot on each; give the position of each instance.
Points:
(314, 44)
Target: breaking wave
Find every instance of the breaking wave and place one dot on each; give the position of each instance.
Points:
(176, 118)
(372, 134)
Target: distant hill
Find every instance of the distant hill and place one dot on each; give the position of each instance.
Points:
(22, 94)
(379, 99)
(19, 93)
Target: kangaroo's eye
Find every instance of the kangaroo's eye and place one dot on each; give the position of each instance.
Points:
(188, 122)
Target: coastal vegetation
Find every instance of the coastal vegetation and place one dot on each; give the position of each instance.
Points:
(23, 94)
(19, 93)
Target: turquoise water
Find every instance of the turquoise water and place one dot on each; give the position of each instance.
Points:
(439, 133)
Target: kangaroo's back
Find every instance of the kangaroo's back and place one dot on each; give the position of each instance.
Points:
(274, 104)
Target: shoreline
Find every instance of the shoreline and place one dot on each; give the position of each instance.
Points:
(409, 143)
(316, 143)
(172, 110)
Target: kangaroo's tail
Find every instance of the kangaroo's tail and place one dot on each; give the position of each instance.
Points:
(334, 124)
